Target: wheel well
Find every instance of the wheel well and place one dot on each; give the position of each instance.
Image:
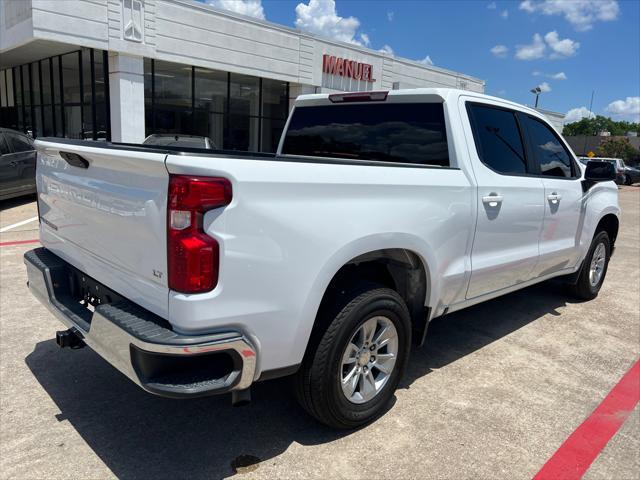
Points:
(398, 269)
(610, 224)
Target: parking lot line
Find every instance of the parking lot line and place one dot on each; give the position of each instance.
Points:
(18, 224)
(18, 242)
(576, 454)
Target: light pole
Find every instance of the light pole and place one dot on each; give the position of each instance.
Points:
(536, 91)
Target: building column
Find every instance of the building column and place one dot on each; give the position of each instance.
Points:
(126, 94)
(296, 89)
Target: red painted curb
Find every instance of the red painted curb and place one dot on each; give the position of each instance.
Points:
(575, 455)
(18, 242)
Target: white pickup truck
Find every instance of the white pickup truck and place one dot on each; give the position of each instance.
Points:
(196, 272)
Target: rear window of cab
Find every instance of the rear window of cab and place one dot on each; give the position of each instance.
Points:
(412, 133)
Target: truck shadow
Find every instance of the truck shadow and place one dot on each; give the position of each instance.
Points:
(17, 201)
(460, 333)
(138, 435)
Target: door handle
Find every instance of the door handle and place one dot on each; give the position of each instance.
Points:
(554, 197)
(492, 200)
(13, 164)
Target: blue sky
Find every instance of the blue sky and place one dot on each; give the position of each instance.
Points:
(570, 47)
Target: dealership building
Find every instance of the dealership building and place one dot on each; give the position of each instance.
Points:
(123, 69)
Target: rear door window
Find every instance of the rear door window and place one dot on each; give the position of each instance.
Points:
(389, 132)
(549, 153)
(498, 139)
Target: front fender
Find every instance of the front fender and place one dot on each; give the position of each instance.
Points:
(600, 200)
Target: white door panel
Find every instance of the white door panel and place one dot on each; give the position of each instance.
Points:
(563, 197)
(505, 249)
(563, 218)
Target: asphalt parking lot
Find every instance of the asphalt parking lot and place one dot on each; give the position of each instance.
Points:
(496, 391)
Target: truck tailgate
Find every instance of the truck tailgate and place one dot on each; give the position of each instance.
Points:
(103, 209)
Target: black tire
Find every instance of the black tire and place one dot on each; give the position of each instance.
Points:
(627, 180)
(317, 383)
(583, 289)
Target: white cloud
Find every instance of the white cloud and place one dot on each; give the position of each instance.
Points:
(582, 14)
(544, 87)
(533, 51)
(500, 51)
(386, 49)
(527, 6)
(628, 109)
(492, 6)
(504, 14)
(364, 38)
(251, 8)
(390, 16)
(426, 60)
(320, 17)
(577, 114)
(562, 48)
(553, 76)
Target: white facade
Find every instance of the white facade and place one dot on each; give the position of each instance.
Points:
(195, 34)
(555, 118)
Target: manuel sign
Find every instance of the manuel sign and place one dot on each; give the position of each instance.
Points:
(347, 68)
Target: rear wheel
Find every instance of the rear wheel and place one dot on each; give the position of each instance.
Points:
(350, 373)
(594, 268)
(627, 180)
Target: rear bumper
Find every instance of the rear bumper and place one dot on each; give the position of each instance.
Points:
(138, 343)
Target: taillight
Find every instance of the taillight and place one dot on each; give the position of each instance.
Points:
(193, 257)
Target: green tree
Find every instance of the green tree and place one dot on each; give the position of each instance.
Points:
(617, 148)
(592, 126)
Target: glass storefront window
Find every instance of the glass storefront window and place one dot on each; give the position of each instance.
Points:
(210, 101)
(242, 133)
(102, 127)
(173, 84)
(47, 98)
(275, 100)
(71, 77)
(271, 130)
(35, 82)
(173, 98)
(58, 121)
(237, 112)
(3, 90)
(244, 95)
(46, 82)
(37, 121)
(210, 90)
(148, 94)
(85, 58)
(26, 85)
(8, 110)
(56, 79)
(17, 79)
(73, 122)
(48, 121)
(98, 67)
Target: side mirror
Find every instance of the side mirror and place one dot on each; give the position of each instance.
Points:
(600, 171)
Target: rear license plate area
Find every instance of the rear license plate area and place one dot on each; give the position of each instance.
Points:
(80, 293)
